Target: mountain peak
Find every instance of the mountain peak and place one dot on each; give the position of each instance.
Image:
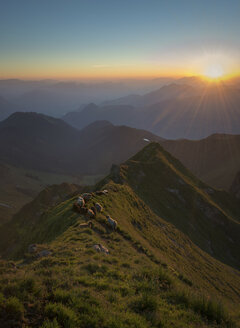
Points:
(90, 106)
(149, 153)
(20, 119)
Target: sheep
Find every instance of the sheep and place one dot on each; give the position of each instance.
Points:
(90, 213)
(102, 192)
(97, 248)
(86, 196)
(88, 224)
(93, 208)
(112, 222)
(104, 249)
(98, 207)
(32, 248)
(80, 201)
(101, 248)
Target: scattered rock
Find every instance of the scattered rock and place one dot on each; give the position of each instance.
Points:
(209, 191)
(32, 248)
(176, 192)
(181, 181)
(44, 253)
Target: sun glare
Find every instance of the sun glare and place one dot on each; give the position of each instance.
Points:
(214, 72)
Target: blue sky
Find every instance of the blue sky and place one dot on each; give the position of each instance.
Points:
(87, 38)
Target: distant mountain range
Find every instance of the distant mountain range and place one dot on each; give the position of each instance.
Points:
(185, 108)
(36, 141)
(174, 111)
(167, 92)
(41, 142)
(55, 98)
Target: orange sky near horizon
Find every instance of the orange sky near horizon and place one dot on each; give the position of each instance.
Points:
(106, 72)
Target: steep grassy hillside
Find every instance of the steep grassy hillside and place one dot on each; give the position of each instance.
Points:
(153, 276)
(209, 217)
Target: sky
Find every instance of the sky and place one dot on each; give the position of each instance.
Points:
(118, 38)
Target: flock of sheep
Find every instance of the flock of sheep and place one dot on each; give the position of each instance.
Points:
(81, 207)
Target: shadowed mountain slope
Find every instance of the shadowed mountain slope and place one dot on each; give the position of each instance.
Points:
(41, 142)
(36, 141)
(215, 159)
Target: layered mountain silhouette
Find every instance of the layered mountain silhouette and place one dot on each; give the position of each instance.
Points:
(168, 92)
(174, 111)
(41, 142)
(52, 97)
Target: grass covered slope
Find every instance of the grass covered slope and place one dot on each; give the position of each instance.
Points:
(209, 217)
(153, 276)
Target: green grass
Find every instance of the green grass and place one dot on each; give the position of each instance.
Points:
(153, 277)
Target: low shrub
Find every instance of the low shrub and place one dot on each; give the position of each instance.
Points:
(28, 285)
(93, 268)
(64, 315)
(207, 308)
(62, 296)
(211, 310)
(14, 309)
(144, 304)
(50, 324)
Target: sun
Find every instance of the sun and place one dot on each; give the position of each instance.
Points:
(214, 72)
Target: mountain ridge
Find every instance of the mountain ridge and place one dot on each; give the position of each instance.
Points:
(143, 243)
